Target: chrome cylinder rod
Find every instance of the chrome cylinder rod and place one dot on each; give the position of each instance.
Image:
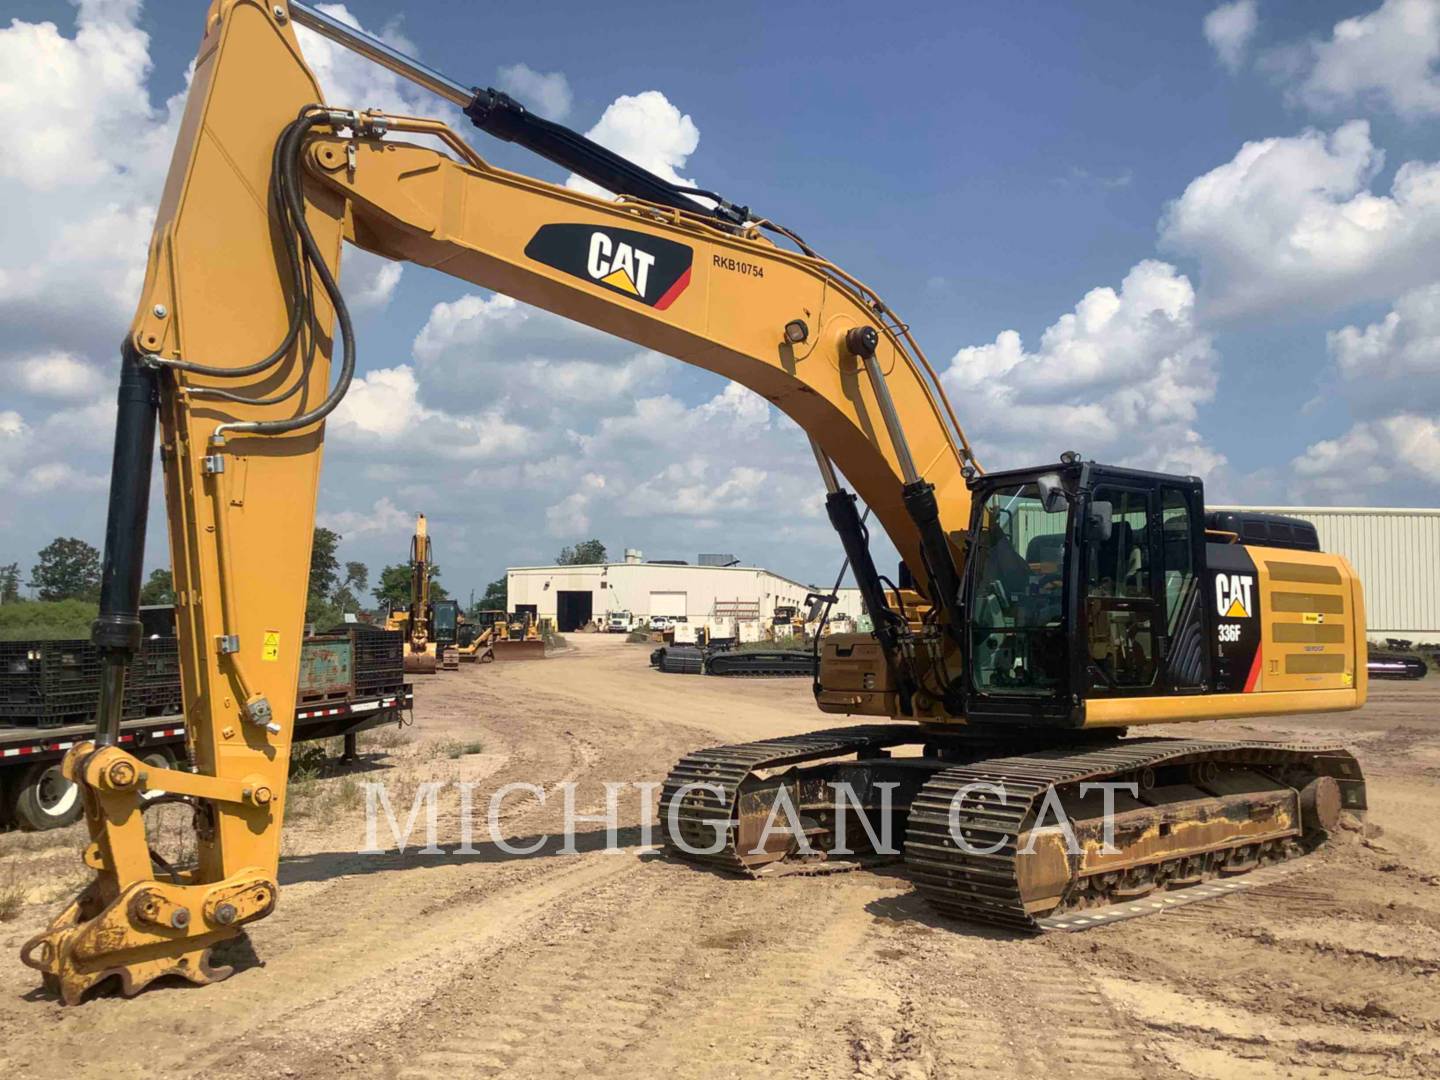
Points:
(827, 469)
(892, 419)
(372, 48)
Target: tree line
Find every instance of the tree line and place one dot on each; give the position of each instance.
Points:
(68, 569)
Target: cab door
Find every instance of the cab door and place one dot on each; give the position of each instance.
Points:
(1180, 559)
(1121, 620)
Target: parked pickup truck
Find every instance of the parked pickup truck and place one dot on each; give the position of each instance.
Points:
(350, 681)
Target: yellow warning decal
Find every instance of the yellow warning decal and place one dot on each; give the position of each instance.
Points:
(1314, 617)
(1236, 610)
(271, 649)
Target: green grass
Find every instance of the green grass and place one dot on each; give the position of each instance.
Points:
(48, 620)
(308, 762)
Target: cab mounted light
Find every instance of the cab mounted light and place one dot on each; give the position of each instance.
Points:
(1069, 457)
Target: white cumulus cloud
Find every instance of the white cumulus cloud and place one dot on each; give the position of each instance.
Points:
(544, 92)
(53, 476)
(382, 518)
(367, 281)
(349, 81)
(1121, 378)
(648, 130)
(59, 375)
(488, 350)
(1389, 377)
(571, 515)
(1393, 364)
(383, 411)
(1292, 220)
(1395, 460)
(1386, 58)
(1229, 28)
(85, 156)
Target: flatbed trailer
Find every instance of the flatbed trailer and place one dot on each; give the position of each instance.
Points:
(33, 794)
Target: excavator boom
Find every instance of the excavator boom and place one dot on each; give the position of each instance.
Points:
(242, 345)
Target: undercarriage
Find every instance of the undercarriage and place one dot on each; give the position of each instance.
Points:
(1024, 831)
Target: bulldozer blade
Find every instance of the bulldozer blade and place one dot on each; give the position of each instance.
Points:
(519, 650)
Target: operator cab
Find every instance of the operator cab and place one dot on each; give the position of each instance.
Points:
(446, 619)
(1083, 581)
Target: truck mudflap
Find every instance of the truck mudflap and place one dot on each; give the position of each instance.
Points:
(981, 847)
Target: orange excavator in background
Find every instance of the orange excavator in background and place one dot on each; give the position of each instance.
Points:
(1040, 613)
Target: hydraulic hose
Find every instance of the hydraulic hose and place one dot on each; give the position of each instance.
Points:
(291, 193)
(284, 149)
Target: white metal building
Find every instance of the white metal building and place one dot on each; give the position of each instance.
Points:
(574, 595)
(1396, 552)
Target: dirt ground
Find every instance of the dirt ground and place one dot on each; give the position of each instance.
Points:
(596, 964)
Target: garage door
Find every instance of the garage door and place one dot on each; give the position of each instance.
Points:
(667, 603)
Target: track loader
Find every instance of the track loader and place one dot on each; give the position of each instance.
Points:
(517, 638)
(1044, 614)
(481, 634)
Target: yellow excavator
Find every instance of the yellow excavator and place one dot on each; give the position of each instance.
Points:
(1040, 615)
(425, 622)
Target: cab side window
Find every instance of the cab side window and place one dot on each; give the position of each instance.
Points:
(1178, 554)
(1120, 609)
(1120, 564)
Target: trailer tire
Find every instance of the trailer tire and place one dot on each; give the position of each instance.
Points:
(158, 758)
(44, 799)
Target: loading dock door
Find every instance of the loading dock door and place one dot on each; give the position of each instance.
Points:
(668, 603)
(573, 609)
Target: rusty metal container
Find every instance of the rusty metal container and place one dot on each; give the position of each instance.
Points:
(327, 668)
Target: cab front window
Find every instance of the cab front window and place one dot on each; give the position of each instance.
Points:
(1017, 636)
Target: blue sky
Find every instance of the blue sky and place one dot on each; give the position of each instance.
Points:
(1264, 320)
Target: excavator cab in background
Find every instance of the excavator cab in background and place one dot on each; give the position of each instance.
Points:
(445, 629)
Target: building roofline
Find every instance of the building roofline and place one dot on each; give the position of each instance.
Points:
(1432, 511)
(664, 566)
